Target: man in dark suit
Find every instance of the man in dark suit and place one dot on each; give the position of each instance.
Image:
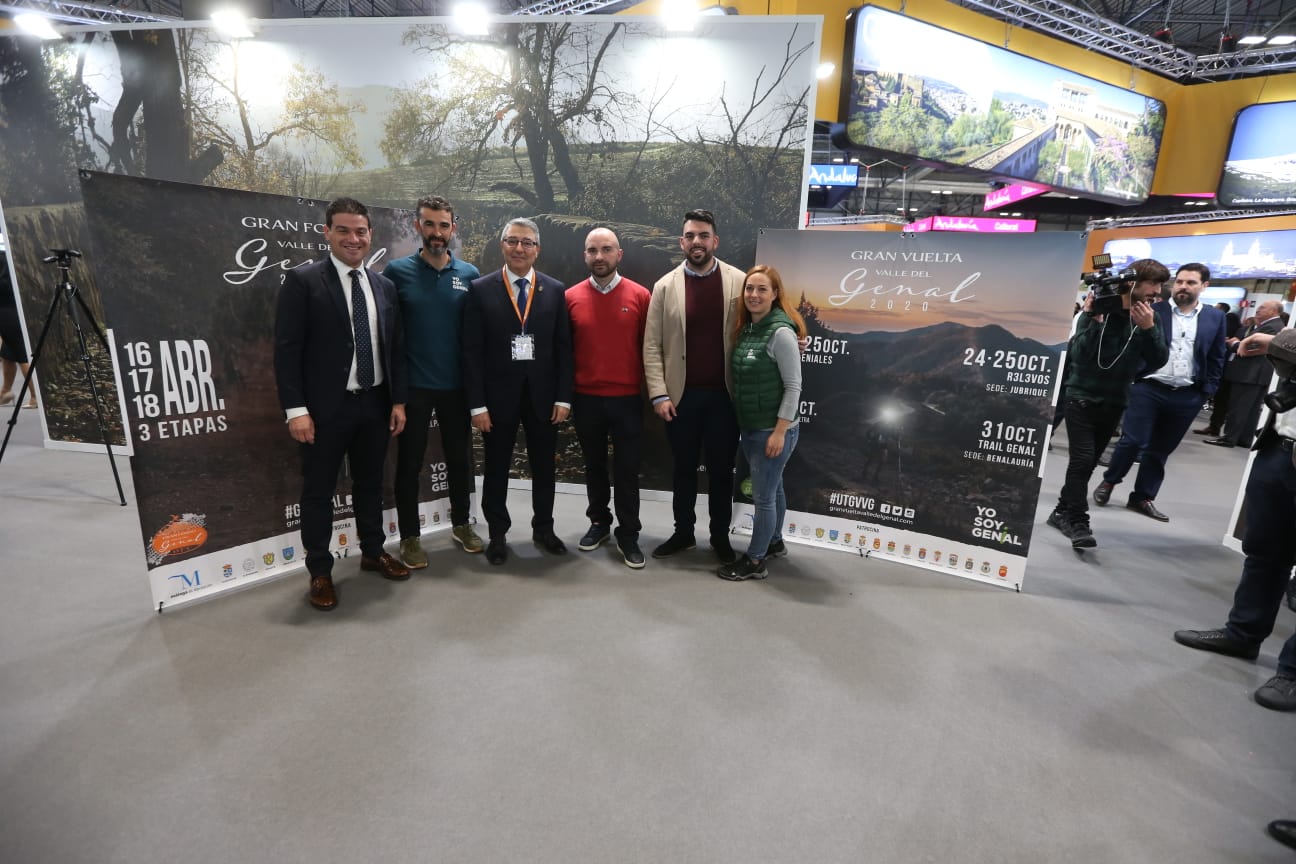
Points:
(1248, 379)
(517, 367)
(340, 369)
(1164, 402)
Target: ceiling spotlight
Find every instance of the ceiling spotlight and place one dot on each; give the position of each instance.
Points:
(1165, 34)
(36, 25)
(1228, 43)
(1251, 40)
(1281, 40)
(472, 19)
(232, 22)
(825, 70)
(679, 15)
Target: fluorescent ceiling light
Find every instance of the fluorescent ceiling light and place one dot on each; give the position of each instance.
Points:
(232, 22)
(1251, 40)
(36, 25)
(825, 70)
(1281, 40)
(472, 19)
(679, 15)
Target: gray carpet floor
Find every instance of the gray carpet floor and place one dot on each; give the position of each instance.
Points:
(572, 710)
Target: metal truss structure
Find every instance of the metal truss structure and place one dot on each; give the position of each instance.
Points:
(88, 13)
(1183, 218)
(567, 7)
(1084, 28)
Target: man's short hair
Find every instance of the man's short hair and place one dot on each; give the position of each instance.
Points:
(525, 223)
(1150, 270)
(345, 205)
(1200, 269)
(701, 216)
(1223, 307)
(434, 202)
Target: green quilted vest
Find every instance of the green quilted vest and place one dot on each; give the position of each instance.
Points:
(758, 386)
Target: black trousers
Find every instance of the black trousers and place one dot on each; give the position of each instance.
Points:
(619, 419)
(541, 439)
(1090, 427)
(704, 428)
(411, 454)
(1269, 542)
(359, 432)
(1244, 412)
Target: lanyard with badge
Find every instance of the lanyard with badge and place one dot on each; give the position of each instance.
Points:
(524, 342)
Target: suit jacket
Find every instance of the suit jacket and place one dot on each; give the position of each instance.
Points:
(313, 346)
(491, 377)
(1252, 370)
(664, 362)
(1209, 349)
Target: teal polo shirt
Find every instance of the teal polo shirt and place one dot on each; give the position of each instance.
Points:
(432, 304)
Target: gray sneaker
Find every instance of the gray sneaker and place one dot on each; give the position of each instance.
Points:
(466, 537)
(411, 552)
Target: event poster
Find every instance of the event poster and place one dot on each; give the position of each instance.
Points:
(189, 277)
(927, 396)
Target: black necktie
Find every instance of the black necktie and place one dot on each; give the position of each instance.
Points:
(360, 320)
(521, 284)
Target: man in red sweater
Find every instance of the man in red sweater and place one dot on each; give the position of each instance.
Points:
(608, 313)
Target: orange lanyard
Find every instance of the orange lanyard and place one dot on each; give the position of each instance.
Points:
(523, 315)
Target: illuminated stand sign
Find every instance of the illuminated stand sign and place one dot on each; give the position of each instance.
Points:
(833, 175)
(972, 224)
(1011, 194)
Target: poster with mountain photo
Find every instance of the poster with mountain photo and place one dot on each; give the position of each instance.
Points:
(928, 389)
(190, 276)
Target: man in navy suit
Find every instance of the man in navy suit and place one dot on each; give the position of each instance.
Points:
(1164, 402)
(517, 367)
(340, 369)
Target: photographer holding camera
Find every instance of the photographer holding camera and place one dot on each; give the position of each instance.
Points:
(1115, 338)
(1269, 538)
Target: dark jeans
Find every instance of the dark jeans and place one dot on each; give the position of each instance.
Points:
(704, 428)
(1156, 420)
(1090, 426)
(620, 419)
(411, 454)
(1269, 542)
(541, 439)
(359, 432)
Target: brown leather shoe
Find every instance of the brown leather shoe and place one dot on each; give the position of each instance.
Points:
(322, 596)
(388, 566)
(1207, 430)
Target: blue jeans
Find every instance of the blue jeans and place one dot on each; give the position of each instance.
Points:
(767, 486)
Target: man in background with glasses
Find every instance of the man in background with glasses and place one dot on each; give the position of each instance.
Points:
(517, 368)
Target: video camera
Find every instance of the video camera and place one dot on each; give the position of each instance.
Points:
(1111, 291)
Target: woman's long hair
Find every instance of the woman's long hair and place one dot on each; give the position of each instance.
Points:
(743, 318)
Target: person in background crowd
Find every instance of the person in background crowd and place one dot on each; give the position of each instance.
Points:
(1268, 540)
(608, 314)
(432, 285)
(1106, 352)
(13, 350)
(766, 368)
(1164, 402)
(517, 368)
(340, 368)
(1248, 380)
(686, 347)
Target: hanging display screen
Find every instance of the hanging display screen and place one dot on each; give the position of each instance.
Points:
(918, 90)
(1260, 169)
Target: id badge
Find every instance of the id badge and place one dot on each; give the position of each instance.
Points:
(524, 347)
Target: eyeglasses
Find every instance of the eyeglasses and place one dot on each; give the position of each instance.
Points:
(524, 242)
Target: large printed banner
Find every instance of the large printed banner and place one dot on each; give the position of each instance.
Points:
(928, 386)
(189, 278)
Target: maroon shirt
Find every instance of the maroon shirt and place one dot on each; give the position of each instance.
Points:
(704, 309)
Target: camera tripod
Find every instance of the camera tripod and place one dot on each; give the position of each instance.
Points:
(67, 296)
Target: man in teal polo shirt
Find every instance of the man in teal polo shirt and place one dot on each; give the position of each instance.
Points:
(433, 285)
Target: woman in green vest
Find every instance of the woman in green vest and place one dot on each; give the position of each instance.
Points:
(766, 367)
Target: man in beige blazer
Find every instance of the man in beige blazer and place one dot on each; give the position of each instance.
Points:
(686, 362)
